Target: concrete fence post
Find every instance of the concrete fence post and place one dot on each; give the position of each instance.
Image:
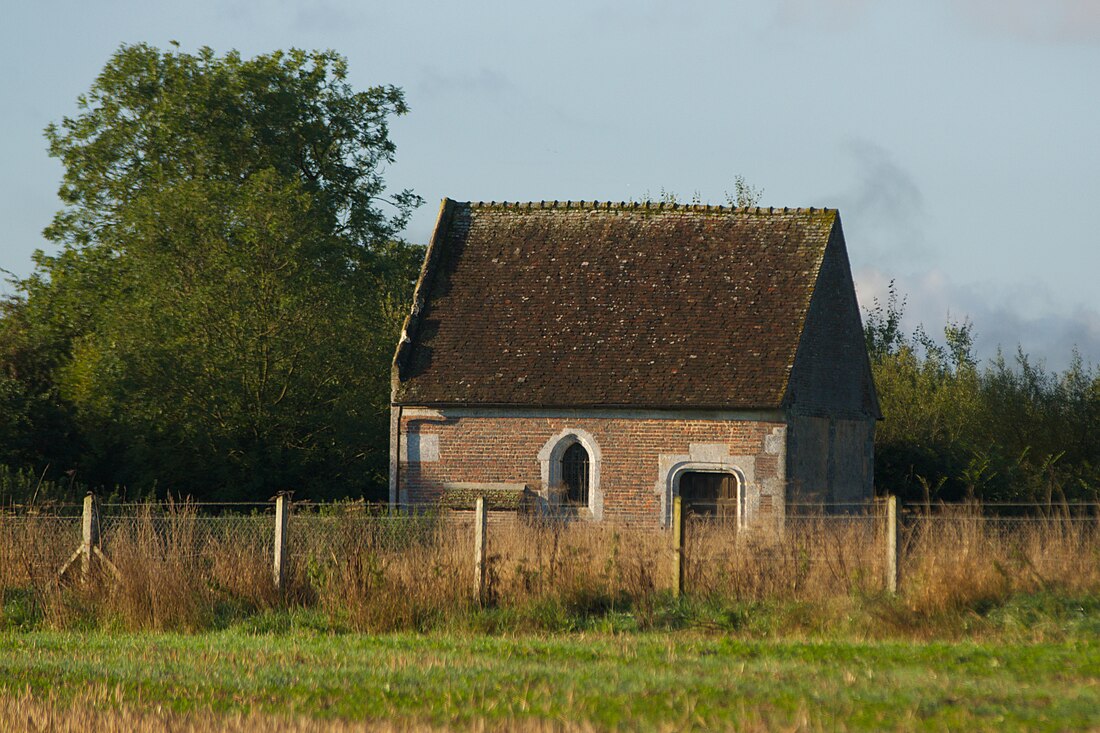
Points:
(89, 550)
(89, 531)
(677, 546)
(282, 514)
(892, 544)
(480, 526)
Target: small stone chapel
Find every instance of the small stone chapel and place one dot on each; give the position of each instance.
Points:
(604, 358)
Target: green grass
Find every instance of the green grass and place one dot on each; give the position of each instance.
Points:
(638, 680)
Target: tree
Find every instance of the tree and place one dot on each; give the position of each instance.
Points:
(882, 326)
(153, 119)
(956, 430)
(229, 284)
(36, 423)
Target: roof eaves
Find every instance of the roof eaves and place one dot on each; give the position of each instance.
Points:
(440, 404)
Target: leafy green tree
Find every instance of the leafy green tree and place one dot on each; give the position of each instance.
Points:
(36, 423)
(953, 429)
(153, 119)
(229, 284)
(882, 325)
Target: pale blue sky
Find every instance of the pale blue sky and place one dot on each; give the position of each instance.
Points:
(957, 137)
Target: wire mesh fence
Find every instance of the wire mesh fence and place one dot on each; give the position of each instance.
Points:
(188, 532)
(833, 551)
(33, 547)
(316, 531)
(343, 555)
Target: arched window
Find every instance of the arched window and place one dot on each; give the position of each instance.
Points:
(569, 466)
(574, 474)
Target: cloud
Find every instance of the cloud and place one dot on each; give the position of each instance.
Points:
(324, 16)
(478, 87)
(833, 14)
(478, 83)
(884, 204)
(1043, 20)
(650, 16)
(999, 318)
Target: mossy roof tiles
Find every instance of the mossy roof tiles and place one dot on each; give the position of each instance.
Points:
(628, 305)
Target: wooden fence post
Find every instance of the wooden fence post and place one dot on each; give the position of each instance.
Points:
(677, 546)
(282, 512)
(479, 548)
(892, 544)
(89, 531)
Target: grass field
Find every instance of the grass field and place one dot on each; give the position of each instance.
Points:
(994, 627)
(308, 680)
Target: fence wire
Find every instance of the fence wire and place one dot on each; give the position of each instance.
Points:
(187, 536)
(808, 551)
(33, 547)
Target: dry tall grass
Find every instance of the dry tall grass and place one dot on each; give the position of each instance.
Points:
(585, 566)
(106, 710)
(32, 546)
(382, 573)
(160, 583)
(809, 558)
(962, 559)
(376, 572)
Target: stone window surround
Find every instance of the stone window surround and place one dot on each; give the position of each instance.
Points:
(550, 465)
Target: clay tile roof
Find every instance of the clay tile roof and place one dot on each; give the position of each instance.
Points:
(585, 304)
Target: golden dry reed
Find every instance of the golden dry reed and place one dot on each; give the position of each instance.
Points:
(377, 572)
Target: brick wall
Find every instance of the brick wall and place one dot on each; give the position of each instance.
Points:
(445, 446)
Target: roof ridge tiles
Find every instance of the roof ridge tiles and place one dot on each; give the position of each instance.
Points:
(596, 205)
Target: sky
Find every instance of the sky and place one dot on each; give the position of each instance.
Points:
(958, 138)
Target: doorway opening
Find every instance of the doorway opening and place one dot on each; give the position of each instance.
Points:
(711, 494)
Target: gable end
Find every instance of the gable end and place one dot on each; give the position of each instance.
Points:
(831, 375)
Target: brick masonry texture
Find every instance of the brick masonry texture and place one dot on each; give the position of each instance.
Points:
(504, 449)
